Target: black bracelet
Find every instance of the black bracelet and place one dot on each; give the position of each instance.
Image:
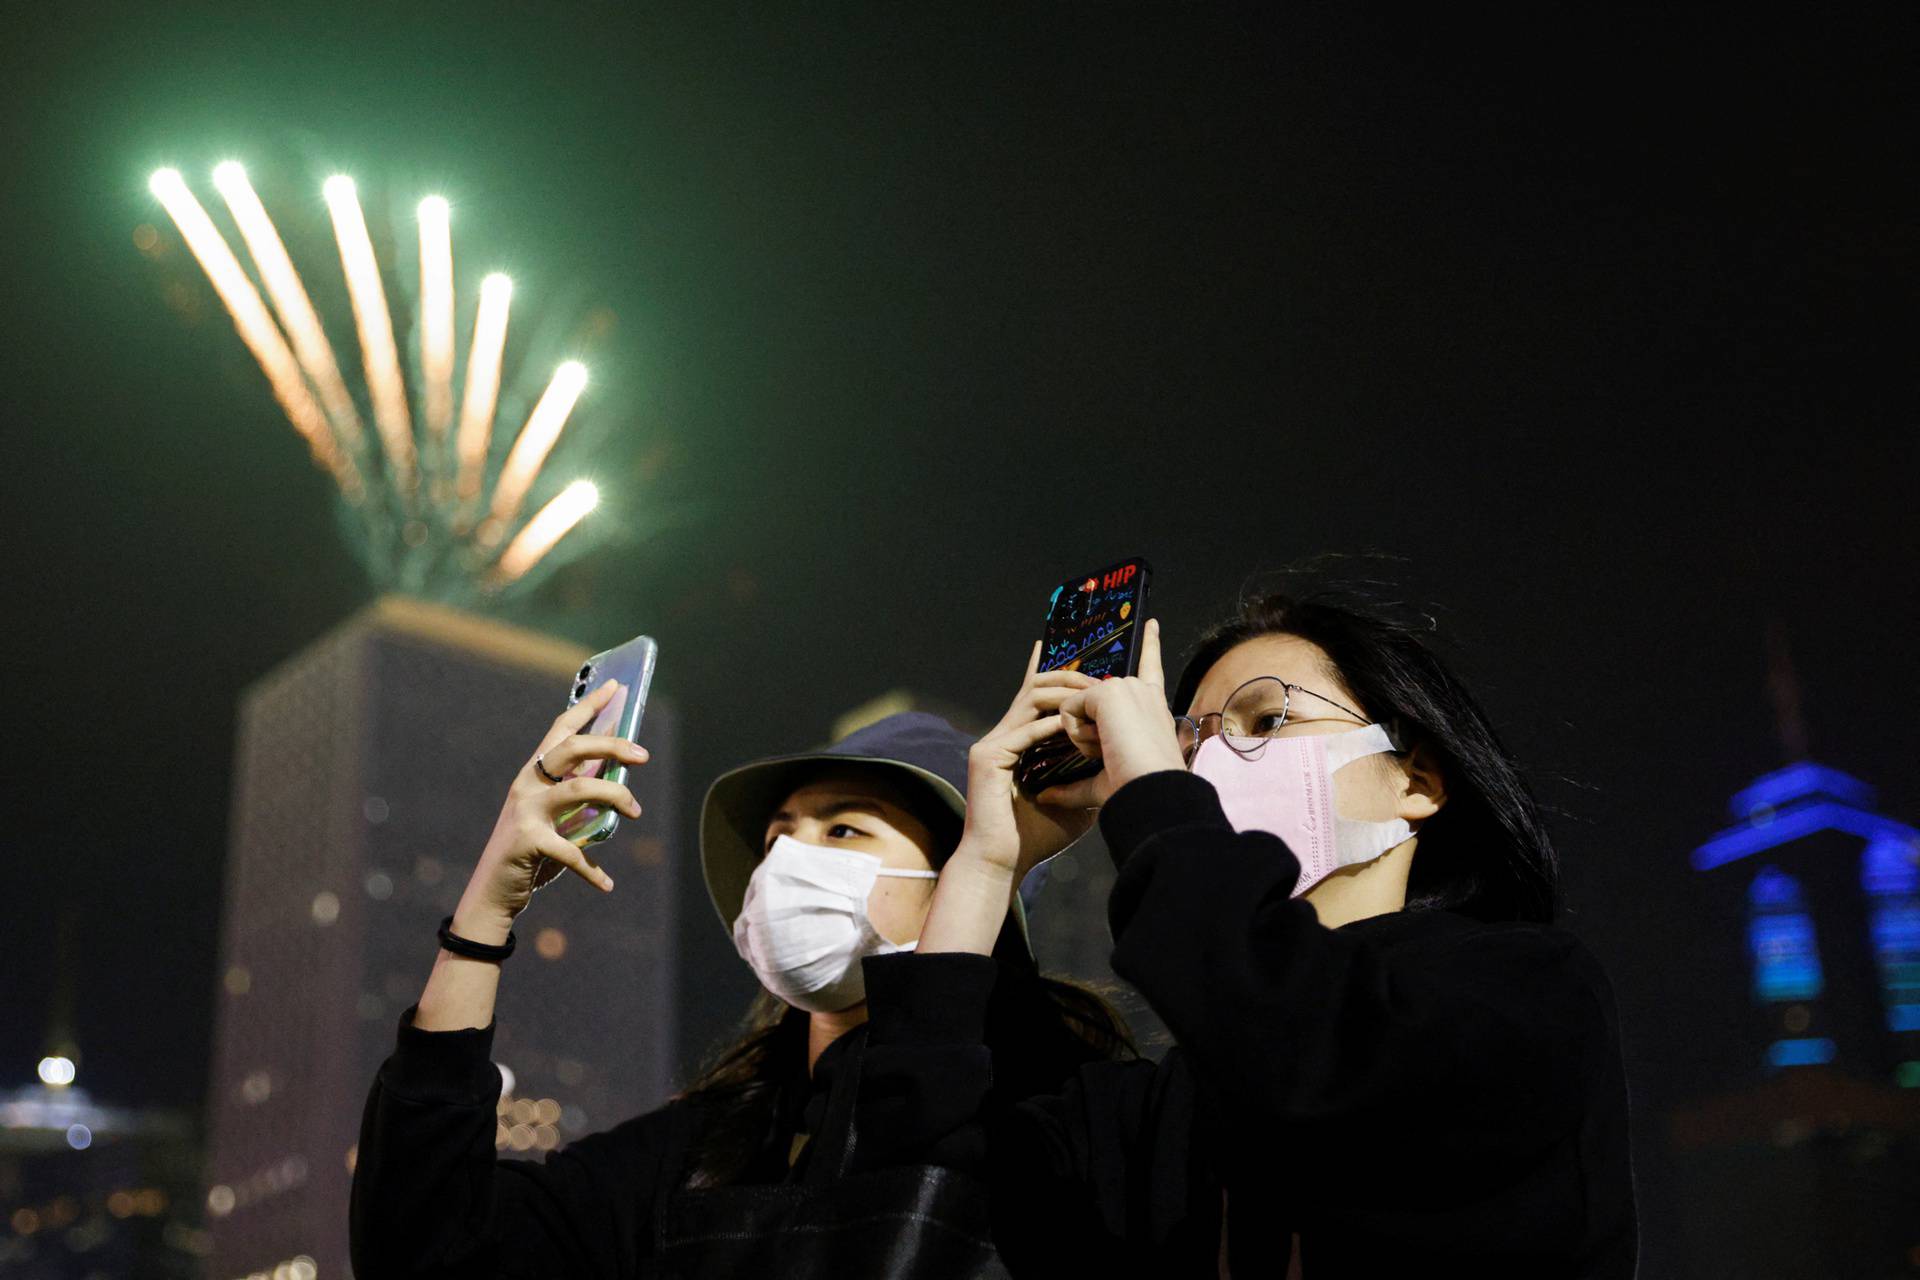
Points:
(451, 941)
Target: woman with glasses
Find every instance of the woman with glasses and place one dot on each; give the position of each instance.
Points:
(1335, 888)
(813, 862)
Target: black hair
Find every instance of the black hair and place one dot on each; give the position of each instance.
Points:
(1043, 1027)
(1486, 853)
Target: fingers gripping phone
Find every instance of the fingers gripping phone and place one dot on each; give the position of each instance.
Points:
(1094, 625)
(632, 665)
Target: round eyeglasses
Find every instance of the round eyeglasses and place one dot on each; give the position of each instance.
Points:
(1256, 712)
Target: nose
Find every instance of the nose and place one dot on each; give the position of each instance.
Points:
(1194, 732)
(808, 831)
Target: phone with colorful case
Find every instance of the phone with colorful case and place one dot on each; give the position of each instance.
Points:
(1094, 624)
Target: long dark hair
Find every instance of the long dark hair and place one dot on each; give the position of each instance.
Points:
(1045, 1027)
(1486, 853)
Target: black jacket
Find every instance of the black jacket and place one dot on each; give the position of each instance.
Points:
(1412, 1094)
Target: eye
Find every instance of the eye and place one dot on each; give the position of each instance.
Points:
(844, 831)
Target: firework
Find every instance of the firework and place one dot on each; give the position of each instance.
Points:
(380, 359)
(411, 537)
(550, 524)
(255, 326)
(436, 314)
(483, 383)
(289, 299)
(536, 439)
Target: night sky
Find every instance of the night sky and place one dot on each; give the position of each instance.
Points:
(1594, 327)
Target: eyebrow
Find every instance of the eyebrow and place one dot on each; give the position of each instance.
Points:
(833, 808)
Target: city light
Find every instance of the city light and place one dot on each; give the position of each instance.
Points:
(537, 438)
(545, 530)
(255, 326)
(483, 383)
(290, 300)
(379, 357)
(57, 1072)
(436, 314)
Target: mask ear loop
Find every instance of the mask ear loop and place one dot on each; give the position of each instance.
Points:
(1344, 748)
(1356, 840)
(899, 873)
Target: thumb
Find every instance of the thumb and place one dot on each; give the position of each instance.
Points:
(1084, 794)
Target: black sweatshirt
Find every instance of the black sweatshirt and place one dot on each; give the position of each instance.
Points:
(432, 1198)
(1411, 1094)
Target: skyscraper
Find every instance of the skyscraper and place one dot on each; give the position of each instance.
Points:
(1832, 904)
(1808, 1163)
(369, 771)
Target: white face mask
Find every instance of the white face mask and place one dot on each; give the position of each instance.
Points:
(804, 926)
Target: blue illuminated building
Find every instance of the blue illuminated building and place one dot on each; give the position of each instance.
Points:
(1832, 893)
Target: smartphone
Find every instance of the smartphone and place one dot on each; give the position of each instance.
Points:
(632, 665)
(1094, 625)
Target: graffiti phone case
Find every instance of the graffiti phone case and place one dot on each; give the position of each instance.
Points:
(1094, 625)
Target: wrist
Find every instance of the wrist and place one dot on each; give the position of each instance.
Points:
(1146, 762)
(478, 921)
(969, 904)
(983, 861)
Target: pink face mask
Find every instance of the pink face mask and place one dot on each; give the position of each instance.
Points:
(1286, 788)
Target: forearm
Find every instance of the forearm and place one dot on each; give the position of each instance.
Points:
(425, 1160)
(460, 992)
(969, 905)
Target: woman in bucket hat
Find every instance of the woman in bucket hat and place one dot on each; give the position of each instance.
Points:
(813, 861)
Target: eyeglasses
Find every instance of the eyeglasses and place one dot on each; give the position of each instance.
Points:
(1255, 712)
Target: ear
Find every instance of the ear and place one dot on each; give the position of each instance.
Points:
(1425, 789)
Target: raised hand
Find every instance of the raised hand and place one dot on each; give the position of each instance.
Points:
(1124, 724)
(525, 850)
(1004, 826)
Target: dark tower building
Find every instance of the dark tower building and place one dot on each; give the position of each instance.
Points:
(1832, 906)
(370, 768)
(1809, 1165)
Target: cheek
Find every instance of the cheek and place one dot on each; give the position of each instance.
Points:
(898, 908)
(1367, 789)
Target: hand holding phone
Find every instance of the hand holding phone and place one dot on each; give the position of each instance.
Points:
(1094, 625)
(632, 666)
(526, 850)
(1126, 724)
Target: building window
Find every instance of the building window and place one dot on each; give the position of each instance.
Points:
(1786, 957)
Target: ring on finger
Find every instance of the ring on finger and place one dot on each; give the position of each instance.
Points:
(539, 767)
